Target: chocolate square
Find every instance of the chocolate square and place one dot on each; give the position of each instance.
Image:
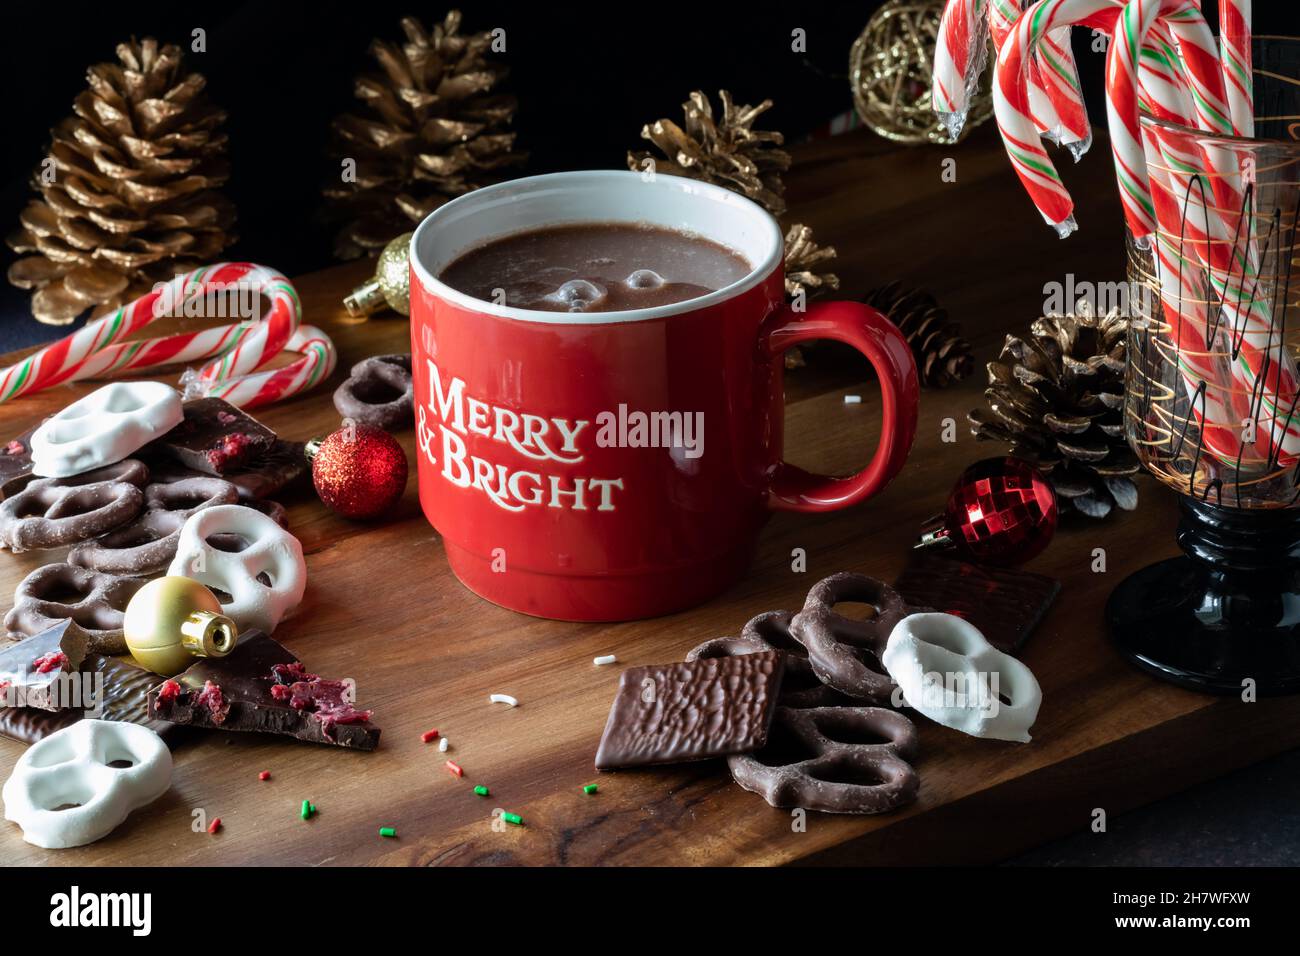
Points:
(216, 438)
(124, 687)
(673, 713)
(32, 670)
(261, 686)
(1006, 604)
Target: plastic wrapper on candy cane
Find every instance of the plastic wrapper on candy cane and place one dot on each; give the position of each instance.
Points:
(1011, 104)
(1055, 96)
(960, 51)
(237, 354)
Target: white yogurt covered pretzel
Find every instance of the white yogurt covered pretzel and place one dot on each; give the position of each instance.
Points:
(265, 580)
(97, 770)
(103, 427)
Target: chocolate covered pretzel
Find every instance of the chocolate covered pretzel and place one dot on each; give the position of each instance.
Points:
(149, 542)
(52, 512)
(16, 464)
(379, 392)
(93, 600)
(845, 653)
(770, 631)
(833, 759)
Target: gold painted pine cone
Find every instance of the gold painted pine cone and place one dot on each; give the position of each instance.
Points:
(727, 151)
(805, 263)
(1057, 395)
(128, 190)
(434, 126)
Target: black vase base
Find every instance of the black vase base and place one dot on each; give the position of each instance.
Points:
(1186, 624)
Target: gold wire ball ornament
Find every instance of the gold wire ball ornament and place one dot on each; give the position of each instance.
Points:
(891, 67)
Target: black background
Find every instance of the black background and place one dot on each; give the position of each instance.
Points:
(587, 76)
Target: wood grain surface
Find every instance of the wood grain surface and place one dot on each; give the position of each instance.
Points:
(383, 608)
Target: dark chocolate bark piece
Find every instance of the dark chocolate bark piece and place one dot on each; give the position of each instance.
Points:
(216, 438)
(262, 687)
(112, 689)
(33, 671)
(673, 713)
(1006, 604)
(16, 464)
(271, 471)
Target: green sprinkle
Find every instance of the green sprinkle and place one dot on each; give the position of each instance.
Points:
(481, 790)
(589, 789)
(514, 818)
(308, 808)
(387, 832)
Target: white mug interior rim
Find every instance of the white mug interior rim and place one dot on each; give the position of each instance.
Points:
(610, 195)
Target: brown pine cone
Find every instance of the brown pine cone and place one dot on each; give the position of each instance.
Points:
(942, 355)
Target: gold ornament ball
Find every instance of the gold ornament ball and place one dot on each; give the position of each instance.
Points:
(390, 286)
(172, 620)
(891, 69)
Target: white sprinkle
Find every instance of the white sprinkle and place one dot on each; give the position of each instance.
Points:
(604, 659)
(503, 699)
(444, 745)
(852, 399)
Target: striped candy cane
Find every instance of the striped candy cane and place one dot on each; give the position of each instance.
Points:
(1055, 96)
(1010, 102)
(104, 348)
(1235, 63)
(1262, 369)
(960, 50)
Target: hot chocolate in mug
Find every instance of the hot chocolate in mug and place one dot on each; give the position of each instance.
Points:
(598, 466)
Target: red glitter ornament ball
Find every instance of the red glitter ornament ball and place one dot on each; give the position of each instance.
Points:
(1001, 511)
(359, 471)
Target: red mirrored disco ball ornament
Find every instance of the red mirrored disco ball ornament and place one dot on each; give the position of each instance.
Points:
(359, 471)
(1001, 511)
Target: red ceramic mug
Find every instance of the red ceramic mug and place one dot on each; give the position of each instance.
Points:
(535, 428)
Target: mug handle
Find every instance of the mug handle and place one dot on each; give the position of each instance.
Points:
(868, 331)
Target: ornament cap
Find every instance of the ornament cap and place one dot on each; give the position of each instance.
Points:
(934, 535)
(205, 634)
(365, 299)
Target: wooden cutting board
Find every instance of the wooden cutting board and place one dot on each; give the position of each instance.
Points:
(383, 608)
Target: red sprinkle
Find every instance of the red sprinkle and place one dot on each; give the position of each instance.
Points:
(52, 661)
(215, 825)
(168, 692)
(429, 735)
(264, 775)
(15, 447)
(455, 769)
